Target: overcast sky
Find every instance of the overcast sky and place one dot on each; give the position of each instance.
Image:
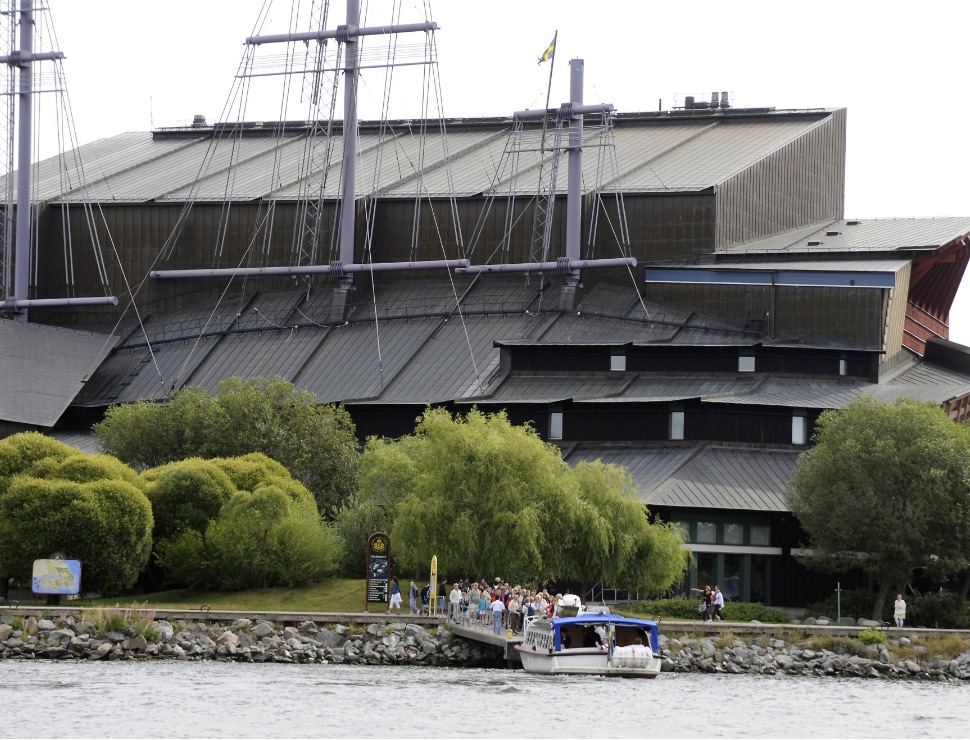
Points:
(899, 69)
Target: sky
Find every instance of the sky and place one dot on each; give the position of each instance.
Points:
(898, 68)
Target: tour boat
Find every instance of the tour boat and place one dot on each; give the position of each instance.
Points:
(591, 644)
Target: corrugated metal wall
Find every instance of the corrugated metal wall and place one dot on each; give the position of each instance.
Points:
(801, 184)
(849, 316)
(895, 312)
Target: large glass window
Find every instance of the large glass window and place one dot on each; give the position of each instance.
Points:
(733, 534)
(707, 532)
(732, 588)
(759, 578)
(706, 564)
(760, 535)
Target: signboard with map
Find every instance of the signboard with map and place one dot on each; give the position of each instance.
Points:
(378, 568)
(56, 577)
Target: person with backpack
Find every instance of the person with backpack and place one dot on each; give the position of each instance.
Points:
(718, 604)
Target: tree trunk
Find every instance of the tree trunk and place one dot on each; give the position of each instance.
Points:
(880, 601)
(965, 586)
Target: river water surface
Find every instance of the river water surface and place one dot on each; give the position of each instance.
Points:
(59, 699)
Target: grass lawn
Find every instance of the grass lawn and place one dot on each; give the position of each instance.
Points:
(330, 595)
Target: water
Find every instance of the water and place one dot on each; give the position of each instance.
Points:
(57, 699)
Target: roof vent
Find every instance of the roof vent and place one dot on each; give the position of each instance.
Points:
(832, 233)
(724, 100)
(814, 244)
(852, 223)
(198, 120)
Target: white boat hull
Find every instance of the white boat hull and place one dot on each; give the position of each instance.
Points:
(589, 662)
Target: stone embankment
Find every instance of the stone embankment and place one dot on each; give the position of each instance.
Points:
(770, 656)
(243, 640)
(401, 643)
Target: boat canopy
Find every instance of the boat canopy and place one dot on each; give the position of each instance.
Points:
(594, 619)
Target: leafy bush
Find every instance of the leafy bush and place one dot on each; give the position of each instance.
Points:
(739, 611)
(106, 524)
(687, 609)
(938, 609)
(186, 495)
(869, 636)
(260, 539)
(678, 609)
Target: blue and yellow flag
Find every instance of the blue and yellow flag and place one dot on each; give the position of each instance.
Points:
(550, 51)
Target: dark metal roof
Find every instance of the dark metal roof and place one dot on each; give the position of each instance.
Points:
(702, 476)
(42, 369)
(656, 153)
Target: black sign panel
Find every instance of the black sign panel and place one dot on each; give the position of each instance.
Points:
(378, 568)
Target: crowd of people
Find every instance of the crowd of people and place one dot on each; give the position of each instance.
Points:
(504, 606)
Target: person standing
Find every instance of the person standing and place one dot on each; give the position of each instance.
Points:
(413, 598)
(395, 596)
(497, 608)
(473, 597)
(899, 610)
(718, 603)
(454, 599)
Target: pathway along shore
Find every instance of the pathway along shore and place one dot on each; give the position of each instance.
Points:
(65, 633)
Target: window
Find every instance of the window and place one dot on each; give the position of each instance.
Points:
(707, 532)
(760, 535)
(746, 362)
(617, 363)
(733, 586)
(706, 568)
(799, 429)
(555, 425)
(733, 534)
(843, 369)
(684, 529)
(676, 425)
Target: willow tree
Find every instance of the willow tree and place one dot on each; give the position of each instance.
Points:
(616, 541)
(492, 499)
(886, 488)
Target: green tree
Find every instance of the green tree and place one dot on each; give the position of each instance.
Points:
(886, 488)
(488, 497)
(315, 442)
(187, 494)
(89, 507)
(260, 539)
(614, 541)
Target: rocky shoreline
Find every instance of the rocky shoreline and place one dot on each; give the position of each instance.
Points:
(243, 640)
(402, 643)
(771, 656)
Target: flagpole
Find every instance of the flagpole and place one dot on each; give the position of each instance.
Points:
(545, 118)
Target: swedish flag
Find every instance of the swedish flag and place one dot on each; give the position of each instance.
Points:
(550, 51)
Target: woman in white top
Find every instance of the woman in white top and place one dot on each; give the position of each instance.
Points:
(899, 610)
